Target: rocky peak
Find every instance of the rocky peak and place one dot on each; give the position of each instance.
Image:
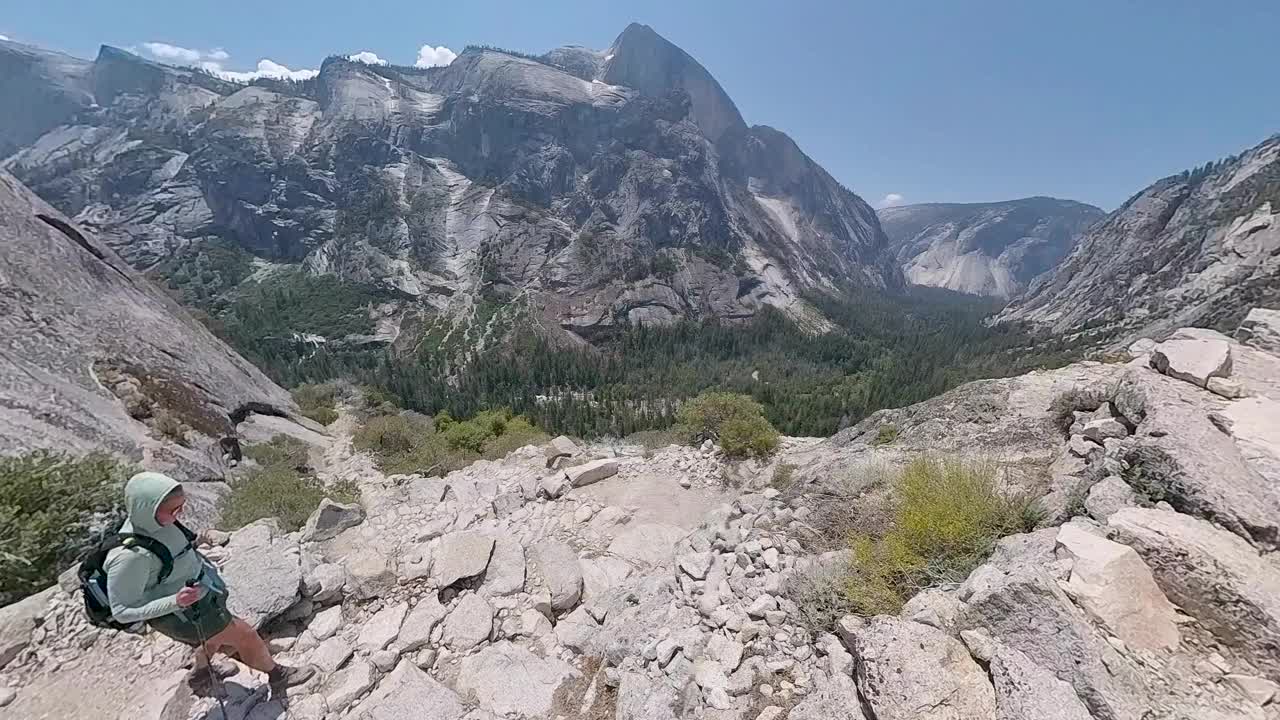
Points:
(642, 59)
(49, 87)
(634, 193)
(992, 249)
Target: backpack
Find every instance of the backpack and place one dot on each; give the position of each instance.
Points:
(93, 578)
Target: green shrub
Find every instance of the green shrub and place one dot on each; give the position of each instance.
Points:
(405, 444)
(280, 450)
(946, 517)
(281, 492)
(167, 425)
(318, 402)
(655, 439)
(819, 593)
(735, 421)
(1153, 475)
(389, 435)
(375, 398)
(48, 505)
(517, 432)
(886, 434)
(782, 476)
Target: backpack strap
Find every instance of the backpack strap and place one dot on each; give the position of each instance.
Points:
(151, 545)
(186, 532)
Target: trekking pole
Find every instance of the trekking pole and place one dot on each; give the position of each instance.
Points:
(215, 682)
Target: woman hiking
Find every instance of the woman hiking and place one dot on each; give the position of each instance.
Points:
(191, 603)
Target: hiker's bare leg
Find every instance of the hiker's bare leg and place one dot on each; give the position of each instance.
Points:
(243, 641)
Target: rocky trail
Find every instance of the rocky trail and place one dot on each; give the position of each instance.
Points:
(603, 581)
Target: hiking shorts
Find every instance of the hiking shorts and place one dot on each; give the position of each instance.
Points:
(208, 617)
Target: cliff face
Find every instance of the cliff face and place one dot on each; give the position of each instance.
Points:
(991, 249)
(582, 188)
(94, 357)
(1199, 248)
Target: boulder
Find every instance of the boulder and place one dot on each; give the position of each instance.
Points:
(1226, 387)
(1261, 329)
(561, 445)
(553, 486)
(469, 623)
(577, 630)
(330, 519)
(1259, 690)
(601, 574)
(1112, 583)
(1102, 428)
(326, 623)
(509, 680)
(1194, 355)
(909, 671)
(726, 652)
(416, 630)
(834, 698)
(592, 472)
(410, 693)
(414, 562)
(557, 563)
(640, 698)
(1016, 600)
(1108, 496)
(381, 630)
(506, 572)
(1024, 690)
(507, 503)
(1213, 576)
(1181, 457)
(264, 572)
(18, 621)
(647, 543)
(460, 556)
(332, 653)
(369, 574)
(324, 583)
(933, 607)
(347, 685)
(1255, 426)
(695, 565)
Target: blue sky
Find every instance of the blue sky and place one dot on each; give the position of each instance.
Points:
(934, 101)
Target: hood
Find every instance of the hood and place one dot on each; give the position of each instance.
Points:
(142, 496)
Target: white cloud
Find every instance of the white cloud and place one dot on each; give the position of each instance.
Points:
(434, 56)
(367, 57)
(890, 200)
(4, 37)
(165, 51)
(213, 61)
(266, 69)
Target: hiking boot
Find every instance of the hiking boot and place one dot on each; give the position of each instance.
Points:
(284, 676)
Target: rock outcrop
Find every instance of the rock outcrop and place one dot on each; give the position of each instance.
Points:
(993, 249)
(1197, 249)
(95, 357)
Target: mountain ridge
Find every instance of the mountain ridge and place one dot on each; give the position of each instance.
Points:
(990, 248)
(1197, 248)
(498, 177)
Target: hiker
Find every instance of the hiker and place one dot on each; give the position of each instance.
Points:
(191, 603)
